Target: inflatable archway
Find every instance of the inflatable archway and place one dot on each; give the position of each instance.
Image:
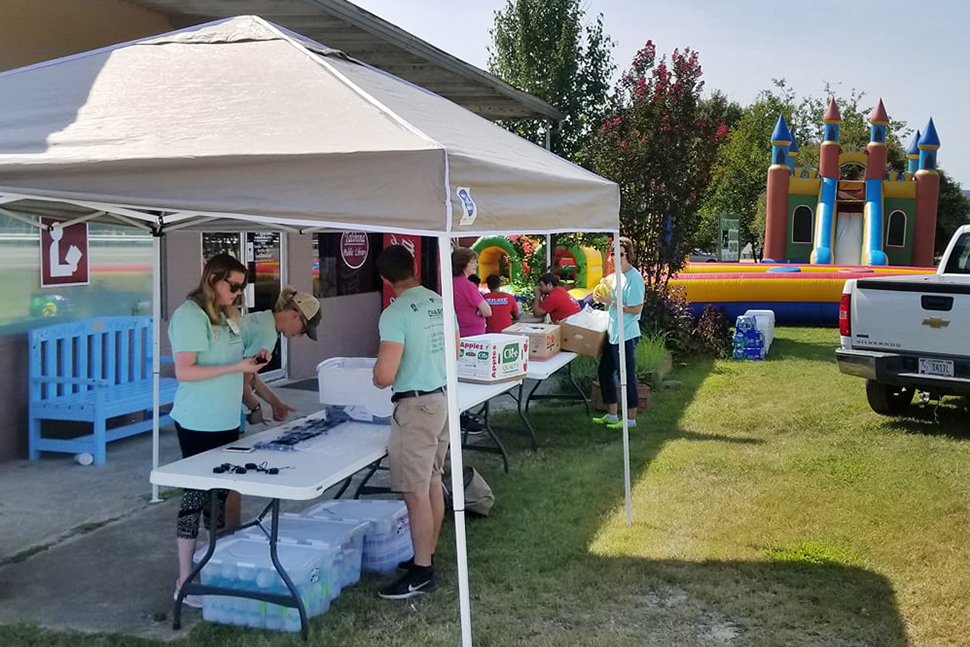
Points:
(494, 252)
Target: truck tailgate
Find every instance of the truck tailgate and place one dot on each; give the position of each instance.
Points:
(916, 314)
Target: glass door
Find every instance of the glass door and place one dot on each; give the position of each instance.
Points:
(262, 253)
(264, 257)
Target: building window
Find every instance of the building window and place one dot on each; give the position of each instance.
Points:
(119, 278)
(896, 230)
(801, 230)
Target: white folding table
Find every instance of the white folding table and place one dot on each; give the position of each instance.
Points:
(541, 370)
(537, 370)
(305, 472)
(470, 395)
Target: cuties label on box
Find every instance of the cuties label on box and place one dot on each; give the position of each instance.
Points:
(493, 358)
(545, 340)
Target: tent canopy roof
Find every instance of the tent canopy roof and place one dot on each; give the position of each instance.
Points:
(243, 118)
(365, 36)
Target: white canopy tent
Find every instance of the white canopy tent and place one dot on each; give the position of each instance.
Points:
(243, 120)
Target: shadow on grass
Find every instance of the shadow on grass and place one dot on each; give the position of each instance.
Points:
(611, 601)
(948, 420)
(538, 550)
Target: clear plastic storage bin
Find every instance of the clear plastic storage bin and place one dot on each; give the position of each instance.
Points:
(349, 382)
(345, 536)
(388, 538)
(244, 564)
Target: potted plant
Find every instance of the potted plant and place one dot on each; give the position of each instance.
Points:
(654, 362)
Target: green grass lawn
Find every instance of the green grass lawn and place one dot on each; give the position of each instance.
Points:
(770, 507)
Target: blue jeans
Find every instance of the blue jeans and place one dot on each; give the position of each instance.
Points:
(609, 372)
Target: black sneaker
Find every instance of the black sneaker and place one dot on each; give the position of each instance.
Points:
(409, 586)
(406, 565)
(471, 423)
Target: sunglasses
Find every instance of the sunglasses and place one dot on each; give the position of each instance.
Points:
(235, 287)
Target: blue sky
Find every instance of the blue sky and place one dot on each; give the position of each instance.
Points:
(913, 55)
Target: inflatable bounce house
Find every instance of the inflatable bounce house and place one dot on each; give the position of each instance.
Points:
(821, 229)
(581, 267)
(815, 217)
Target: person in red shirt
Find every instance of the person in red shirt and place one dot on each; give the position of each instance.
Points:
(504, 308)
(552, 299)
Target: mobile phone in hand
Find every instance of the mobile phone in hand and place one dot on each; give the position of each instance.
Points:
(260, 359)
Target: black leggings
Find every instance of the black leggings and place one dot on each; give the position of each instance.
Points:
(610, 366)
(195, 502)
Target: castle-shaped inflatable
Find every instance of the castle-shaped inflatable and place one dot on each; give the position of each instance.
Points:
(887, 218)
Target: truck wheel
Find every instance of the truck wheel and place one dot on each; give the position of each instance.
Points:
(887, 399)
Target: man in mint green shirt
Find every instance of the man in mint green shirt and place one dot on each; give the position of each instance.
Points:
(412, 359)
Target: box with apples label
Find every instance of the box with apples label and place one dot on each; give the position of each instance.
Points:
(492, 358)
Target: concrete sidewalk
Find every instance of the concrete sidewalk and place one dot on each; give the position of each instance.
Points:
(84, 549)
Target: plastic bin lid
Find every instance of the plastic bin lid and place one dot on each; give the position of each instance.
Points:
(308, 528)
(255, 553)
(370, 509)
(348, 363)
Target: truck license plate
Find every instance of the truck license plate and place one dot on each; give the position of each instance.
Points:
(940, 367)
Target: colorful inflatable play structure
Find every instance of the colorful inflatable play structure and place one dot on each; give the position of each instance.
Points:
(581, 266)
(821, 230)
(798, 294)
(815, 217)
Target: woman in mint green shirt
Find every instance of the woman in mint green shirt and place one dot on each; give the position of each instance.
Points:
(208, 346)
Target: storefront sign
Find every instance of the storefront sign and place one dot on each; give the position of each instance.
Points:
(63, 254)
(354, 249)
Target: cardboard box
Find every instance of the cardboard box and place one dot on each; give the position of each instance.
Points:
(585, 332)
(493, 358)
(545, 340)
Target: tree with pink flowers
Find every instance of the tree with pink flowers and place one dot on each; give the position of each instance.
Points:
(659, 145)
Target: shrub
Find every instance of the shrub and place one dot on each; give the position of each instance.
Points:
(666, 310)
(713, 333)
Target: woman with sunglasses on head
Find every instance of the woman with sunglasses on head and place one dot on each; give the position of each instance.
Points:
(208, 346)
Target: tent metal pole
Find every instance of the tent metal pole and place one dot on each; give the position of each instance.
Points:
(33, 221)
(156, 346)
(454, 435)
(624, 378)
(131, 221)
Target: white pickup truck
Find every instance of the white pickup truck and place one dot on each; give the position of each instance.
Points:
(908, 333)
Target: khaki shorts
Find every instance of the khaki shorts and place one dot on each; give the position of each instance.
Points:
(418, 442)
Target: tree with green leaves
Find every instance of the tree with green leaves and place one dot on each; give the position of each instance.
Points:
(952, 211)
(659, 146)
(544, 48)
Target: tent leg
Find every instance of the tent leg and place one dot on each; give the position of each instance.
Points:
(454, 433)
(156, 347)
(624, 404)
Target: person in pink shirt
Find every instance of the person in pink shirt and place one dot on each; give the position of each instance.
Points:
(471, 309)
(504, 308)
